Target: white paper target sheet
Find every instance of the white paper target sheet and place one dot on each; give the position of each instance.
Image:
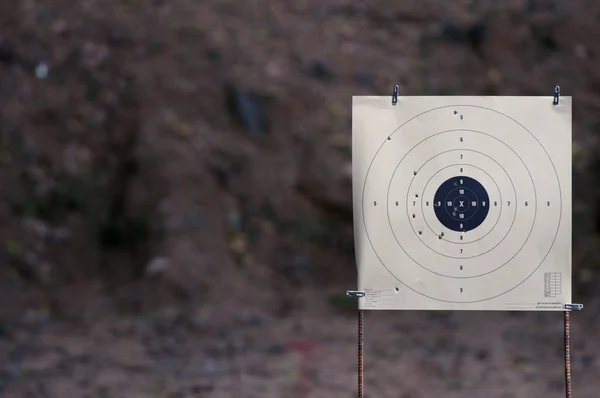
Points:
(462, 203)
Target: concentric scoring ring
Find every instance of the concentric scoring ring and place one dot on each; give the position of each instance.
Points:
(461, 254)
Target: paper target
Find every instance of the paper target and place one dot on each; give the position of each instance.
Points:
(462, 202)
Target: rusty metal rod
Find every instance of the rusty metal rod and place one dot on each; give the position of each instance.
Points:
(568, 354)
(360, 354)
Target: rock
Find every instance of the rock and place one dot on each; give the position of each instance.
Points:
(325, 182)
(477, 34)
(319, 70)
(580, 51)
(42, 70)
(93, 54)
(473, 35)
(224, 166)
(76, 159)
(273, 70)
(587, 361)
(276, 349)
(556, 384)
(455, 385)
(213, 54)
(234, 221)
(210, 368)
(60, 234)
(200, 389)
(13, 247)
(250, 109)
(184, 130)
(251, 319)
(482, 354)
(8, 54)
(59, 26)
(31, 259)
(157, 265)
(301, 261)
(545, 36)
(295, 266)
(364, 79)
(238, 244)
(37, 226)
(193, 220)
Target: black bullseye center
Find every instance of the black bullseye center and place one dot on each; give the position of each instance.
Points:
(461, 203)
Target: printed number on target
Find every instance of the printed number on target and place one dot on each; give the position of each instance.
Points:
(462, 203)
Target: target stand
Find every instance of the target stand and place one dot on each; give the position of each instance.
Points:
(462, 203)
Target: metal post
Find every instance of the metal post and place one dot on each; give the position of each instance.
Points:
(360, 354)
(567, 354)
(359, 293)
(567, 324)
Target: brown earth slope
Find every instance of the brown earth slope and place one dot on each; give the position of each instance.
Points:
(175, 181)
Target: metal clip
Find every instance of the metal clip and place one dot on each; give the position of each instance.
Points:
(355, 293)
(573, 306)
(395, 95)
(556, 95)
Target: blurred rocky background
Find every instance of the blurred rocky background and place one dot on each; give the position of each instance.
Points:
(175, 195)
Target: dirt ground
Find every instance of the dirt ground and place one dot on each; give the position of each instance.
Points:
(176, 196)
